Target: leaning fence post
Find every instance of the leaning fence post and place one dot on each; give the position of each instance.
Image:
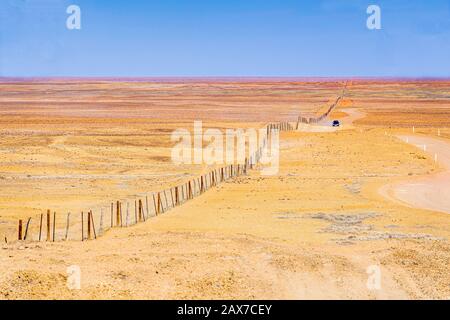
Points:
(93, 226)
(40, 227)
(67, 226)
(154, 203)
(171, 196)
(26, 229)
(160, 205)
(165, 198)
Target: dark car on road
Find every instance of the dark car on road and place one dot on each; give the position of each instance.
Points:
(336, 123)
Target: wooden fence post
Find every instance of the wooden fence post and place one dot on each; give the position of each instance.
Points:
(54, 225)
(143, 212)
(190, 195)
(140, 210)
(26, 229)
(202, 187)
(19, 236)
(89, 225)
(154, 203)
(121, 218)
(165, 198)
(40, 227)
(112, 214)
(67, 226)
(117, 213)
(82, 226)
(128, 215)
(48, 225)
(93, 226)
(171, 196)
(160, 205)
(146, 204)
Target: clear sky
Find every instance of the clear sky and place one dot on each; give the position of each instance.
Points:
(225, 38)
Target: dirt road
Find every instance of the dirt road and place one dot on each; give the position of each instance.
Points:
(326, 124)
(428, 192)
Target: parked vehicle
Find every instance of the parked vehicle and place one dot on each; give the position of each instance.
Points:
(336, 123)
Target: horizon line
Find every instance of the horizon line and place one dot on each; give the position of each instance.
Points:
(222, 78)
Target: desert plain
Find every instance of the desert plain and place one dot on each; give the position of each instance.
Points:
(344, 200)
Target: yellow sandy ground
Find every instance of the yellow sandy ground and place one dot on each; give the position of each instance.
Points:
(310, 232)
(258, 237)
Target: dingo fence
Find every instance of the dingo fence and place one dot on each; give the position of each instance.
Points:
(122, 214)
(313, 120)
(150, 205)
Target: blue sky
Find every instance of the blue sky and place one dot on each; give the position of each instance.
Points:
(225, 38)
